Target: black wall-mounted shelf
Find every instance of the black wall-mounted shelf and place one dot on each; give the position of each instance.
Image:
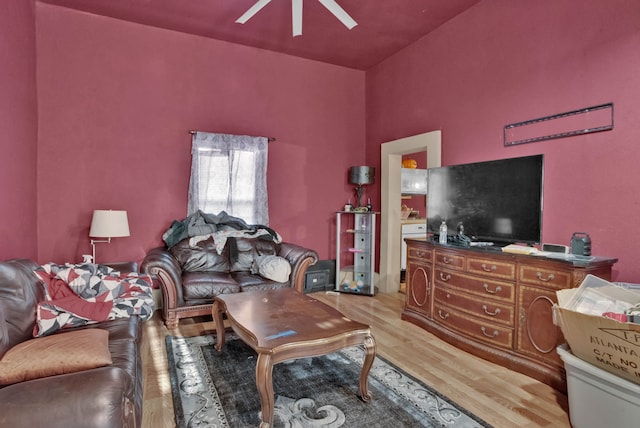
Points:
(577, 122)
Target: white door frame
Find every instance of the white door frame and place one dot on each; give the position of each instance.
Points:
(390, 231)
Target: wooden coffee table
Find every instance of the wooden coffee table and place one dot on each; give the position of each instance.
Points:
(284, 324)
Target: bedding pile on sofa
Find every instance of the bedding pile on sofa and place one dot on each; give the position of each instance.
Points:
(77, 295)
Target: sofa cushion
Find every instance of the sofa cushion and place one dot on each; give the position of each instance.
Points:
(272, 267)
(202, 287)
(66, 352)
(20, 290)
(249, 282)
(248, 249)
(97, 398)
(202, 257)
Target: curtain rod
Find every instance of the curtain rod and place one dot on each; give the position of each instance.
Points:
(269, 139)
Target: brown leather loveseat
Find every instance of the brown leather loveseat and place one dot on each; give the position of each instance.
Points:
(89, 376)
(191, 275)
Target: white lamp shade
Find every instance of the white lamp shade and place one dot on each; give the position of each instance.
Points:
(109, 224)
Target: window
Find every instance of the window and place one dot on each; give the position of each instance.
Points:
(229, 173)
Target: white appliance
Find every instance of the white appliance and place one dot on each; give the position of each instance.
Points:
(411, 230)
(413, 181)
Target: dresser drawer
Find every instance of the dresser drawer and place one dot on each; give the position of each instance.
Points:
(419, 253)
(487, 288)
(481, 330)
(450, 260)
(492, 268)
(553, 278)
(490, 310)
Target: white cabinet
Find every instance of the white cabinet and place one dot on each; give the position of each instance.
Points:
(413, 181)
(355, 252)
(410, 230)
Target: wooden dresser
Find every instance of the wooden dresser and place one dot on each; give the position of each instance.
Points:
(495, 305)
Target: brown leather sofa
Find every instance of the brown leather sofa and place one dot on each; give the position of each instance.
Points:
(191, 275)
(106, 396)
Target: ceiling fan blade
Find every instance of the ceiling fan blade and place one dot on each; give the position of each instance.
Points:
(252, 11)
(339, 13)
(296, 15)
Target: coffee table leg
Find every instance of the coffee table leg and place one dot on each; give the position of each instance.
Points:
(264, 382)
(370, 355)
(217, 318)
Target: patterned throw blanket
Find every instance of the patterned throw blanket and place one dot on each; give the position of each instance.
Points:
(77, 295)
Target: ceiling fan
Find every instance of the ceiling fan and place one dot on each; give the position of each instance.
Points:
(296, 13)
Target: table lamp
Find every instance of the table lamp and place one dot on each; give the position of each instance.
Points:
(107, 224)
(361, 175)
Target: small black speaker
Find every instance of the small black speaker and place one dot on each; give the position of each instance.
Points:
(320, 277)
(555, 248)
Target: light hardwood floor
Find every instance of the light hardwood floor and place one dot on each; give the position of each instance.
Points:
(501, 397)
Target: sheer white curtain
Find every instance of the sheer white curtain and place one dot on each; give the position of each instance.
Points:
(229, 173)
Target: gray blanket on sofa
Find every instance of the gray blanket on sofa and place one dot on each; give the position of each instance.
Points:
(200, 223)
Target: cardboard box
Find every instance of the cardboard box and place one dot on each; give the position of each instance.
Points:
(606, 343)
(598, 398)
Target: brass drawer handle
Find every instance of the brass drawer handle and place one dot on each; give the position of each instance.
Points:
(493, 314)
(547, 279)
(445, 277)
(420, 253)
(488, 269)
(484, 331)
(446, 260)
(444, 317)
(497, 289)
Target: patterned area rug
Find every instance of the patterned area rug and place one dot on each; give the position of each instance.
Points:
(217, 389)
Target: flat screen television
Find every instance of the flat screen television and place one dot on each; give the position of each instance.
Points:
(497, 201)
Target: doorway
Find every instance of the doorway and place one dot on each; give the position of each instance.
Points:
(391, 162)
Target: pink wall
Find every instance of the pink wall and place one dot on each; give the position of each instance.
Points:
(18, 130)
(503, 62)
(116, 101)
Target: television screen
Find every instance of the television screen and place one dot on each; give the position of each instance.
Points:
(497, 201)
